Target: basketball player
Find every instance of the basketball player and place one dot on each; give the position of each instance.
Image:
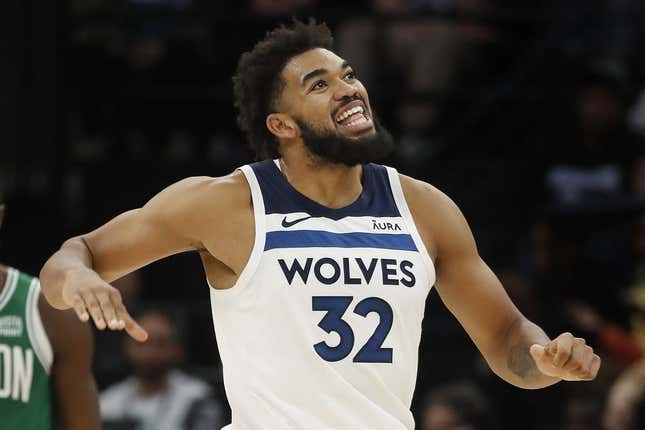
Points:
(319, 262)
(45, 360)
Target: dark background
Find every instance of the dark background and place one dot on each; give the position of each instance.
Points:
(530, 115)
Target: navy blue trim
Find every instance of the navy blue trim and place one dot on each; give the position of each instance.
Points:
(325, 239)
(279, 196)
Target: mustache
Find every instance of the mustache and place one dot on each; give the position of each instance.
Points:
(345, 101)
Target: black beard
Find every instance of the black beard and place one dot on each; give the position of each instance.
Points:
(335, 148)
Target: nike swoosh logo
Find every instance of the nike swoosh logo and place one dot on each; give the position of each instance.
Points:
(287, 224)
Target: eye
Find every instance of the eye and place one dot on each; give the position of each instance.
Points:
(350, 76)
(319, 85)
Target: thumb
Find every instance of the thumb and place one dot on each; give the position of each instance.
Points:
(537, 352)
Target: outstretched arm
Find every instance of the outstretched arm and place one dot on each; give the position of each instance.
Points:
(175, 220)
(515, 348)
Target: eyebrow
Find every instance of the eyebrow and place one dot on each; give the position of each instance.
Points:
(319, 72)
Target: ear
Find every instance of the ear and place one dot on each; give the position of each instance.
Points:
(282, 126)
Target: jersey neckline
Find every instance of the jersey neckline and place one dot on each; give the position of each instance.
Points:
(9, 286)
(317, 208)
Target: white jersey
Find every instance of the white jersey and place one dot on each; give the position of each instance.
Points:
(322, 329)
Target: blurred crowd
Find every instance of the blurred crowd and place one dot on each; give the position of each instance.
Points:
(529, 114)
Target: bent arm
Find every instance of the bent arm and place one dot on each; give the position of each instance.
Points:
(175, 220)
(472, 292)
(131, 240)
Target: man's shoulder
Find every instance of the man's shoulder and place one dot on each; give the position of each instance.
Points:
(196, 196)
(432, 211)
(422, 193)
(231, 185)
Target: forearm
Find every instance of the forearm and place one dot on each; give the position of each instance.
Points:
(514, 362)
(73, 256)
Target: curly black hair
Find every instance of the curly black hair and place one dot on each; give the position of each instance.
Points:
(257, 81)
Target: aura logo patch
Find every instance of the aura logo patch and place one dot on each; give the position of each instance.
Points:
(385, 226)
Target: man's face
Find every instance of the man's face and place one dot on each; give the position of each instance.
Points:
(160, 353)
(332, 109)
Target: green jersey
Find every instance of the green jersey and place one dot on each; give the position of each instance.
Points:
(25, 357)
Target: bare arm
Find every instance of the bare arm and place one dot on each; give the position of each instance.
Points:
(73, 387)
(175, 220)
(516, 349)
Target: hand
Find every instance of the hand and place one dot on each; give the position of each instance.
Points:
(89, 295)
(566, 357)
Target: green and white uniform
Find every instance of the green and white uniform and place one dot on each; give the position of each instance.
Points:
(25, 357)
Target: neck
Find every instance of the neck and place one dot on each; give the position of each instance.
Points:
(3, 276)
(329, 184)
(148, 387)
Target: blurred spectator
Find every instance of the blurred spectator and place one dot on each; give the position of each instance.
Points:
(611, 340)
(110, 361)
(636, 291)
(625, 408)
(157, 395)
(592, 153)
(457, 406)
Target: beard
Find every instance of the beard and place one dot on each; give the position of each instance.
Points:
(333, 147)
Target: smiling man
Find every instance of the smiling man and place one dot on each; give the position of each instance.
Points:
(319, 261)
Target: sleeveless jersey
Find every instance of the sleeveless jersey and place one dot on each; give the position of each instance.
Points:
(25, 357)
(322, 329)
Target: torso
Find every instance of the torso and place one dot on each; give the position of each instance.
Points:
(228, 247)
(315, 274)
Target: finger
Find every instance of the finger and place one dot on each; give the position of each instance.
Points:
(108, 309)
(133, 328)
(586, 361)
(537, 352)
(79, 308)
(564, 344)
(595, 367)
(580, 356)
(94, 308)
(551, 348)
(120, 311)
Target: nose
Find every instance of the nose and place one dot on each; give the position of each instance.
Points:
(344, 90)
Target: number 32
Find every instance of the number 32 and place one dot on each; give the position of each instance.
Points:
(372, 351)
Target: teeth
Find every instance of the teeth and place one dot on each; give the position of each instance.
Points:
(350, 112)
(360, 120)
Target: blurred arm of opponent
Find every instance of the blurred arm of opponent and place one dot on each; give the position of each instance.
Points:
(73, 386)
(186, 216)
(516, 349)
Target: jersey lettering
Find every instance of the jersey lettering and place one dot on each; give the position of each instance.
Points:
(17, 370)
(356, 271)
